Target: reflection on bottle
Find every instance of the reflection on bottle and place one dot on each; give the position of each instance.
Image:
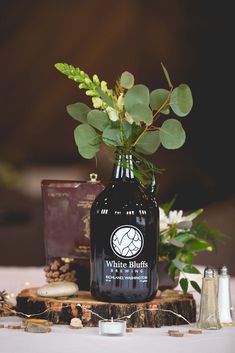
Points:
(208, 317)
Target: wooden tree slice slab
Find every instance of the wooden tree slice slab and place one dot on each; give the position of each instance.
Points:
(62, 310)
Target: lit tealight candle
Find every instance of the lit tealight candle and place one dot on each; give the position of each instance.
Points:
(112, 328)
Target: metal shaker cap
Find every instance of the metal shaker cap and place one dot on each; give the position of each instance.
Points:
(223, 271)
(209, 272)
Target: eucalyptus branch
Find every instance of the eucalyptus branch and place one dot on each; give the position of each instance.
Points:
(139, 137)
(157, 113)
(155, 116)
(121, 130)
(125, 116)
(153, 128)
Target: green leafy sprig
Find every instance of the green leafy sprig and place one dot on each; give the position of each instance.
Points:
(127, 116)
(181, 242)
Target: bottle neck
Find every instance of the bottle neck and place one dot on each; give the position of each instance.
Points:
(123, 166)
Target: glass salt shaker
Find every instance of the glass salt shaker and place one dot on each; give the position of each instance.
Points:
(208, 316)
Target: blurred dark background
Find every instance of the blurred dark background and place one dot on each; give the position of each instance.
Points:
(193, 39)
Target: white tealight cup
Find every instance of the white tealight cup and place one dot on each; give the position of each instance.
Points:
(112, 328)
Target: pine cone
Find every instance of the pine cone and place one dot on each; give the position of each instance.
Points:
(5, 306)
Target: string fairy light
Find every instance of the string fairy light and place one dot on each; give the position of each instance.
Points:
(90, 311)
(47, 310)
(28, 315)
(125, 317)
(102, 318)
(154, 309)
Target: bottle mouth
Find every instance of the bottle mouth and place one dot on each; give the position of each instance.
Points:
(123, 150)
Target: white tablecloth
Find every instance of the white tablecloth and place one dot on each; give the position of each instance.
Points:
(63, 339)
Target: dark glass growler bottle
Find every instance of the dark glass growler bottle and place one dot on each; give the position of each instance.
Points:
(124, 238)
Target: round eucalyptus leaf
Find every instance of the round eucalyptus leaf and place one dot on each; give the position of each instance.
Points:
(149, 142)
(157, 99)
(111, 136)
(87, 140)
(172, 134)
(78, 111)
(98, 119)
(127, 80)
(181, 100)
(141, 112)
(137, 94)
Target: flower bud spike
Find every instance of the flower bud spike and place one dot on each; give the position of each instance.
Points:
(91, 93)
(87, 81)
(96, 80)
(82, 86)
(97, 102)
(103, 86)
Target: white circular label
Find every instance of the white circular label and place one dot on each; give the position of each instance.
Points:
(127, 241)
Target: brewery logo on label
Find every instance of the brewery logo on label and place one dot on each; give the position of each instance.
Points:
(127, 241)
